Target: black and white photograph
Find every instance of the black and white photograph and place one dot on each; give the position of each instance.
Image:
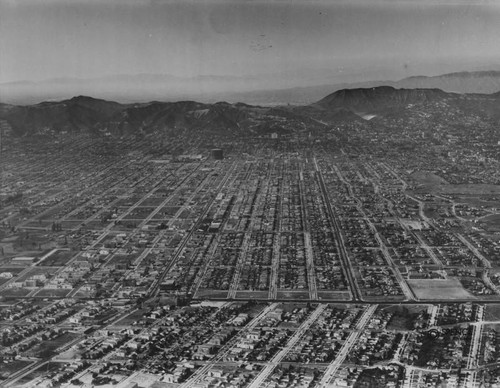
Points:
(250, 193)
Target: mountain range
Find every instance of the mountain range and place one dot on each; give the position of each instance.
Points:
(348, 105)
(483, 82)
(210, 89)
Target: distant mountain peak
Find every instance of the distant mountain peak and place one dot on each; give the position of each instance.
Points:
(458, 74)
(376, 98)
(84, 98)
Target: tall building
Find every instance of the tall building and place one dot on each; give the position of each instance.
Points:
(217, 154)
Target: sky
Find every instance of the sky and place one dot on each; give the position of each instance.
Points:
(351, 40)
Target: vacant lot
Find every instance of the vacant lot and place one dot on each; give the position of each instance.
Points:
(131, 318)
(57, 259)
(209, 293)
(12, 367)
(404, 316)
(15, 292)
(428, 178)
(42, 370)
(282, 294)
(491, 222)
(492, 312)
(48, 348)
(52, 293)
(13, 270)
(334, 295)
(468, 189)
(252, 294)
(47, 271)
(435, 289)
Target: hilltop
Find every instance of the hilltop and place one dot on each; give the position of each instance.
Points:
(84, 113)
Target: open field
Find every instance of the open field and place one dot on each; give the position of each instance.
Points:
(284, 294)
(429, 289)
(468, 189)
(13, 270)
(481, 200)
(334, 295)
(52, 293)
(48, 348)
(404, 316)
(251, 294)
(57, 259)
(388, 298)
(42, 370)
(492, 312)
(15, 292)
(207, 293)
(37, 271)
(428, 178)
(491, 222)
(7, 370)
(131, 318)
(71, 224)
(84, 293)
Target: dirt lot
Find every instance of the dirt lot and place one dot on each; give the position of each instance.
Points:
(492, 312)
(431, 289)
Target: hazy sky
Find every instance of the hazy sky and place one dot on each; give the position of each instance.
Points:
(370, 39)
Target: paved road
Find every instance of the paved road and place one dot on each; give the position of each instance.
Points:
(310, 268)
(273, 280)
(311, 275)
(87, 191)
(404, 286)
(472, 359)
(474, 250)
(276, 252)
(346, 348)
(264, 373)
(224, 350)
(346, 263)
(153, 290)
(13, 379)
(245, 245)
